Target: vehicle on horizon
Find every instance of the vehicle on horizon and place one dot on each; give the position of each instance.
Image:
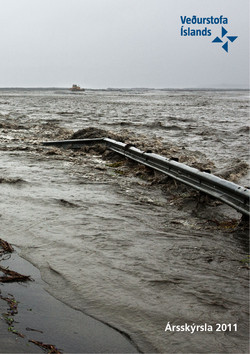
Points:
(76, 88)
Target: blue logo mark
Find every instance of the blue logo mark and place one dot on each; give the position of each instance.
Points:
(230, 38)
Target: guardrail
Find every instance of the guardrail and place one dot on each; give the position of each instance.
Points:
(228, 192)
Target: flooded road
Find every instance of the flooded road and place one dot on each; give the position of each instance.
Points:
(116, 242)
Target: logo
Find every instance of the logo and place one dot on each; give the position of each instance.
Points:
(203, 27)
(230, 38)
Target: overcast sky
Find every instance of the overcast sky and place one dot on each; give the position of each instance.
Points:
(121, 43)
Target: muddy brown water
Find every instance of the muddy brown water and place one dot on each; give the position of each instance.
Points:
(116, 243)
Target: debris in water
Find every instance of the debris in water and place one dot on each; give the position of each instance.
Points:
(12, 306)
(51, 348)
(226, 224)
(12, 311)
(12, 276)
(6, 246)
(143, 143)
(33, 330)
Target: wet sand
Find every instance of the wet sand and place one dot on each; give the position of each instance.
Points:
(43, 318)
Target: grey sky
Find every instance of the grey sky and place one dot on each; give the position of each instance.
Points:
(120, 43)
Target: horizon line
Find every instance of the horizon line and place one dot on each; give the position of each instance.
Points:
(127, 88)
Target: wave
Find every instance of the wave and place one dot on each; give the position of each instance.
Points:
(234, 170)
(160, 125)
(12, 180)
(244, 129)
(68, 113)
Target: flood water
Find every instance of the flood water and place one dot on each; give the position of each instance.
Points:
(131, 251)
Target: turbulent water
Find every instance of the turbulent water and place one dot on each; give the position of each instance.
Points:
(115, 242)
